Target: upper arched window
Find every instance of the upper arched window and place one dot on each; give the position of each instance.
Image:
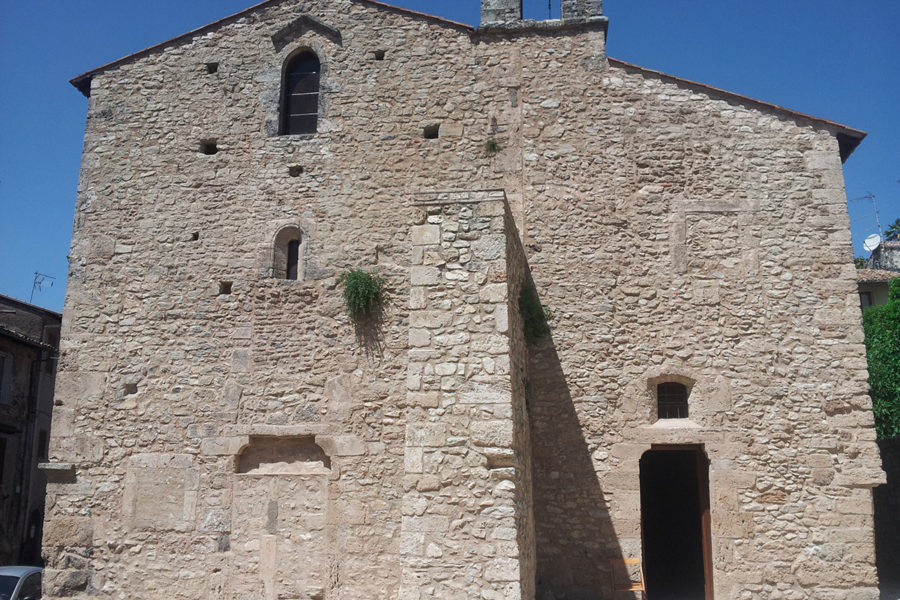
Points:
(672, 400)
(300, 89)
(287, 259)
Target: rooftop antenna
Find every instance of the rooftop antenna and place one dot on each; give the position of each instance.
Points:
(39, 279)
(871, 196)
(549, 9)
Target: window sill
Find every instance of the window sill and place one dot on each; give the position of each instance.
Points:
(674, 424)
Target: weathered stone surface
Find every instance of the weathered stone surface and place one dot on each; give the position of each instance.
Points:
(69, 531)
(674, 234)
(64, 583)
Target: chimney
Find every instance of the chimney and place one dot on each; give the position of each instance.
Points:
(496, 12)
(581, 9)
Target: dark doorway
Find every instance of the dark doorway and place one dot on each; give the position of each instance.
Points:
(675, 524)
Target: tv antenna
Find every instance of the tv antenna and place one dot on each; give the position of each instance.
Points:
(38, 283)
(871, 196)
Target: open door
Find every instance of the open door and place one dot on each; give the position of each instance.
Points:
(675, 523)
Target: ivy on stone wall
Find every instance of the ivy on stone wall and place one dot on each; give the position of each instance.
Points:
(882, 328)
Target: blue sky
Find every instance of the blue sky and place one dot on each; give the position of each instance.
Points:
(835, 59)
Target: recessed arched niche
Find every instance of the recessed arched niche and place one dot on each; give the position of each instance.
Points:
(275, 455)
(287, 253)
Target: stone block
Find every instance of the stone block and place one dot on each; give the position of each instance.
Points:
(484, 394)
(419, 338)
(68, 531)
(424, 399)
(426, 434)
(490, 247)
(502, 569)
(450, 130)
(65, 583)
(424, 276)
(79, 388)
(223, 446)
(342, 445)
(492, 433)
(240, 360)
(494, 292)
(426, 235)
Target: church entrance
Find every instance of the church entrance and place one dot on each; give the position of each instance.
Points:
(675, 523)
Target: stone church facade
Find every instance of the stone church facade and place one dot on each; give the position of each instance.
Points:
(695, 417)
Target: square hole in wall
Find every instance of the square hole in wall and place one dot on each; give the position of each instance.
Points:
(295, 170)
(225, 287)
(431, 132)
(379, 54)
(130, 389)
(212, 67)
(209, 147)
(195, 236)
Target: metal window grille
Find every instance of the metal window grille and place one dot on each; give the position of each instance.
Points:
(300, 108)
(672, 400)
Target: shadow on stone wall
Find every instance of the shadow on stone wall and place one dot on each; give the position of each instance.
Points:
(575, 537)
(370, 331)
(887, 521)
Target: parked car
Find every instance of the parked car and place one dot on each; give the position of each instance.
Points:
(20, 583)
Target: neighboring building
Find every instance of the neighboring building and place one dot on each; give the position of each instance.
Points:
(886, 256)
(223, 430)
(881, 266)
(29, 339)
(873, 286)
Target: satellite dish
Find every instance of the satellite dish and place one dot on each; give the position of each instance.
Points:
(872, 242)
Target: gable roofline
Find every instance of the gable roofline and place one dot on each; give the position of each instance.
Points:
(848, 138)
(83, 82)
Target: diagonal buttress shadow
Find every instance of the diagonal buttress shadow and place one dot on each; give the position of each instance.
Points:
(575, 539)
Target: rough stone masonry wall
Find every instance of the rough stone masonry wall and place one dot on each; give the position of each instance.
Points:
(165, 383)
(672, 233)
(679, 236)
(466, 509)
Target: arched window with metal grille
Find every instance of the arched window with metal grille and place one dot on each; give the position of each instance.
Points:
(672, 400)
(300, 95)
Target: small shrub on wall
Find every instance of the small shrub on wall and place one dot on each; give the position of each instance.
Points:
(362, 293)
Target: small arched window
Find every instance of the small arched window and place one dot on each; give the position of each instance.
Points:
(287, 261)
(300, 95)
(672, 400)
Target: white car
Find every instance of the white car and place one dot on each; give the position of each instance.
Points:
(20, 583)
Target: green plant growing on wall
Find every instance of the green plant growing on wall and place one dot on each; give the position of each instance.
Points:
(535, 318)
(882, 329)
(491, 147)
(363, 293)
(893, 232)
